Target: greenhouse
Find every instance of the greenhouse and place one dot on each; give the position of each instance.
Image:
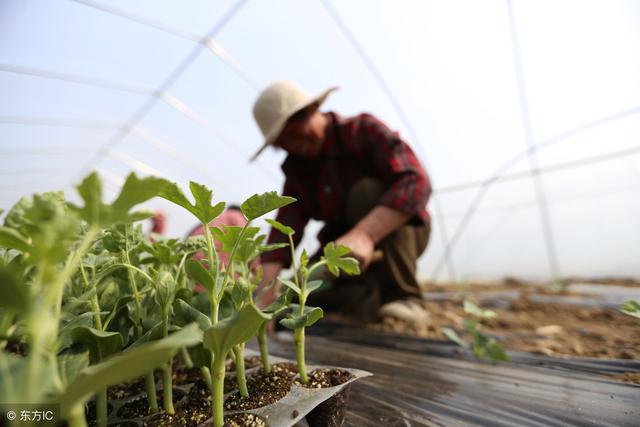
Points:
(319, 213)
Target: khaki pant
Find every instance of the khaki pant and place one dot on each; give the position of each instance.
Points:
(392, 278)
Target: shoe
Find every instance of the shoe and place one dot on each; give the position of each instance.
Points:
(410, 311)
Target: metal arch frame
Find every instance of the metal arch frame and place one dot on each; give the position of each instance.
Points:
(138, 132)
(171, 79)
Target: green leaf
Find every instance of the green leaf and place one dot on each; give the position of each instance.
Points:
(14, 294)
(197, 272)
(133, 192)
(71, 362)
(153, 334)
(261, 204)
(10, 238)
(453, 336)
(230, 234)
(90, 189)
(632, 308)
(496, 352)
(120, 305)
(100, 344)
(336, 262)
(313, 285)
(13, 387)
(240, 292)
(185, 314)
(200, 356)
(295, 321)
(471, 308)
(289, 284)
(279, 305)
(236, 329)
(272, 247)
(304, 260)
(164, 251)
(64, 336)
(202, 209)
(280, 227)
(487, 348)
(126, 366)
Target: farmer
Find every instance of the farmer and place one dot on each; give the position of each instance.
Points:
(368, 187)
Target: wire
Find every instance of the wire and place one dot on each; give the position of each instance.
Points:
(545, 220)
(90, 81)
(546, 143)
(206, 41)
(137, 132)
(572, 164)
(173, 102)
(404, 118)
(173, 77)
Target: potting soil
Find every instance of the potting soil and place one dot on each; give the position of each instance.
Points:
(285, 412)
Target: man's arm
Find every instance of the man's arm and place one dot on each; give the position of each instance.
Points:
(375, 226)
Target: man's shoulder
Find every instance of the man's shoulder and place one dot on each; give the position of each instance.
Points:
(354, 120)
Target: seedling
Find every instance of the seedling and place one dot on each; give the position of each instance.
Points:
(482, 346)
(300, 315)
(632, 308)
(223, 336)
(48, 240)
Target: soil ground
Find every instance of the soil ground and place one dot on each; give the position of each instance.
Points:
(555, 329)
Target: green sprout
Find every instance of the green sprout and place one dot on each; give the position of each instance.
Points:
(482, 346)
(631, 308)
(228, 335)
(300, 315)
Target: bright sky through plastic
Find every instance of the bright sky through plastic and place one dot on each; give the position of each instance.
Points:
(450, 65)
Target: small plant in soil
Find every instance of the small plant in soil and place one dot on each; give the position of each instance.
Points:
(231, 284)
(300, 315)
(57, 296)
(631, 308)
(482, 346)
(87, 303)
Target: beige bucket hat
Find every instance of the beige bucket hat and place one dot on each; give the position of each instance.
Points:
(279, 101)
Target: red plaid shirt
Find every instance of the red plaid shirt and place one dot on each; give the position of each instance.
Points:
(355, 147)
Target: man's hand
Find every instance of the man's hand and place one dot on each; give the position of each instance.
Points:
(360, 244)
(366, 234)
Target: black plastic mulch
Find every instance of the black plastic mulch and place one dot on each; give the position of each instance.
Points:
(426, 382)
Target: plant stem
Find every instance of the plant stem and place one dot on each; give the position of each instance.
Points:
(218, 369)
(298, 338)
(315, 266)
(206, 376)
(101, 407)
(264, 353)
(132, 280)
(167, 383)
(152, 398)
(76, 416)
(95, 305)
(180, 274)
(186, 359)
(232, 255)
(240, 375)
(293, 260)
(211, 253)
(167, 388)
(214, 313)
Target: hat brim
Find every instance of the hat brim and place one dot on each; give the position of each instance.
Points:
(275, 131)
